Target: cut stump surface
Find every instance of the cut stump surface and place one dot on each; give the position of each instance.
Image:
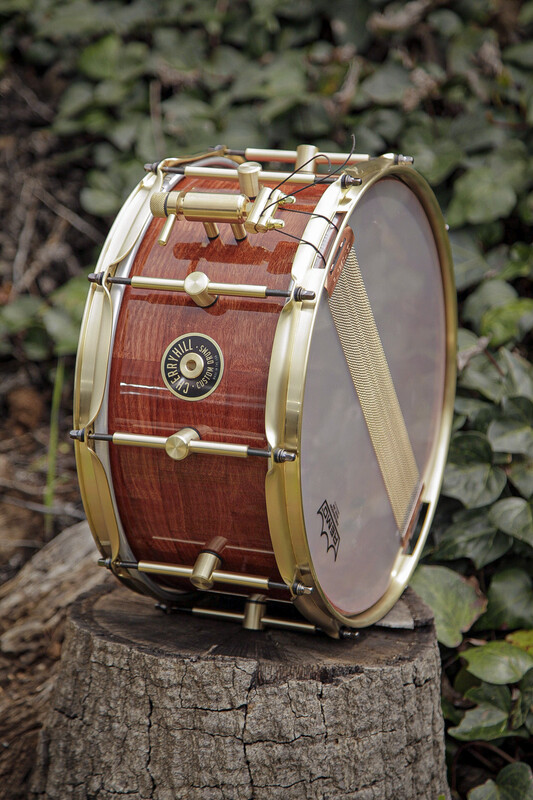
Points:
(166, 707)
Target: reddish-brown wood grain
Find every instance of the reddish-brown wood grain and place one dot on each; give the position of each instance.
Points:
(171, 510)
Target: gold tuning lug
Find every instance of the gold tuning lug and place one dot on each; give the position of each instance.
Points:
(178, 445)
(204, 566)
(196, 284)
(254, 611)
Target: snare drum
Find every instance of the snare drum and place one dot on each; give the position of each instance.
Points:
(264, 385)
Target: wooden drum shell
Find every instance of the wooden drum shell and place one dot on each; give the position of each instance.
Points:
(171, 510)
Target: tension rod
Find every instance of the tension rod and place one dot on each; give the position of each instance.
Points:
(203, 291)
(184, 442)
(257, 582)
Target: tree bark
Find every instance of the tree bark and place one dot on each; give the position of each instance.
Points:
(166, 707)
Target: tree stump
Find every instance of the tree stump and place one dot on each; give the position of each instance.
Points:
(170, 707)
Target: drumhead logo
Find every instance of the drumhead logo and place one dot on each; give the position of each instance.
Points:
(192, 366)
(330, 522)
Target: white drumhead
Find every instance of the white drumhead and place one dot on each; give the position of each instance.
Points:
(352, 534)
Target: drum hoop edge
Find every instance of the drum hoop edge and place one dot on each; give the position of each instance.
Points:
(284, 414)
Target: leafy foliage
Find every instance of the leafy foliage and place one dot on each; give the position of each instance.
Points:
(452, 86)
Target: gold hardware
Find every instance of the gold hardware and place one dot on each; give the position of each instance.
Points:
(249, 178)
(257, 209)
(194, 286)
(185, 441)
(178, 445)
(212, 289)
(134, 440)
(200, 206)
(257, 582)
(236, 209)
(204, 566)
(266, 220)
(166, 230)
(290, 156)
(305, 152)
(239, 231)
(197, 287)
(238, 289)
(267, 621)
(254, 610)
(302, 178)
(192, 365)
(211, 228)
(219, 449)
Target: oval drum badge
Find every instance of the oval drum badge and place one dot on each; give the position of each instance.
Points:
(192, 366)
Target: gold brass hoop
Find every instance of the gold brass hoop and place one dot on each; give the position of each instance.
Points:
(285, 398)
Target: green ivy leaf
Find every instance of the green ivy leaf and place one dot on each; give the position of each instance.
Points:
(510, 322)
(471, 132)
(483, 375)
(510, 601)
(471, 407)
(469, 475)
(469, 264)
(110, 59)
(523, 640)
(472, 536)
(479, 196)
(511, 436)
(76, 98)
(514, 516)
(436, 160)
(489, 719)
(455, 602)
(519, 374)
(520, 473)
(498, 662)
(523, 701)
(519, 264)
(387, 84)
(62, 330)
(99, 60)
(521, 54)
(71, 296)
(100, 203)
(20, 314)
(489, 294)
(514, 782)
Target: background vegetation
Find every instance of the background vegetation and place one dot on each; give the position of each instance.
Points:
(93, 90)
